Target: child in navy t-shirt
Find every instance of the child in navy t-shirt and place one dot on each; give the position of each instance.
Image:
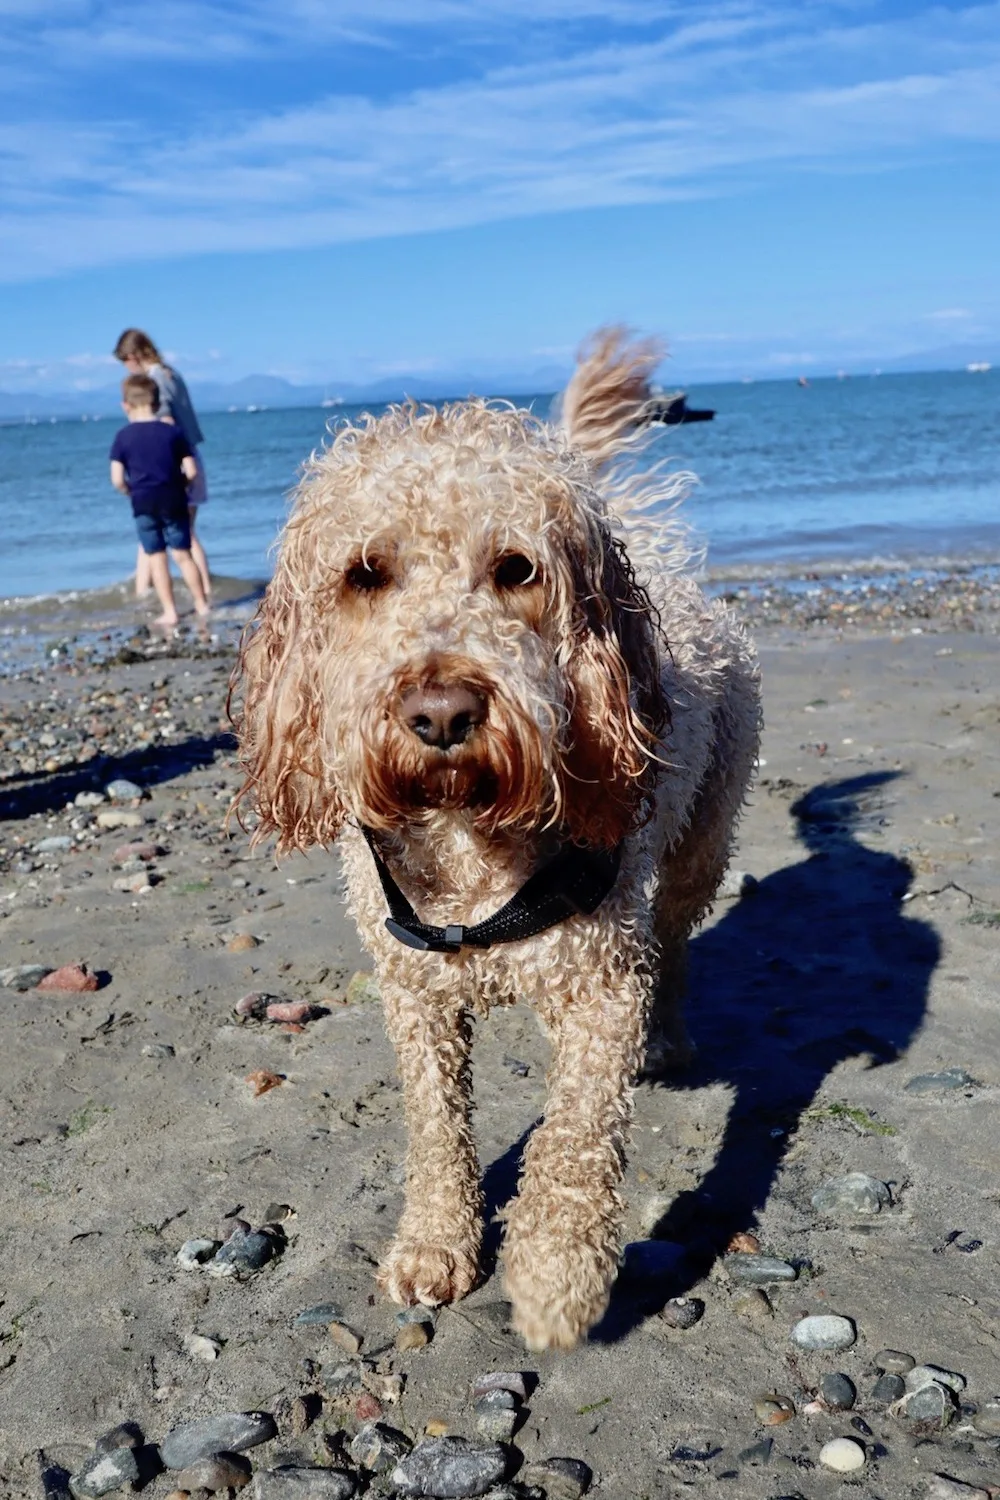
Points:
(152, 463)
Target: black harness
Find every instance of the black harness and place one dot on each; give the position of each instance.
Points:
(573, 883)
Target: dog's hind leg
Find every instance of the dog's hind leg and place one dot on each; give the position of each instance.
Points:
(562, 1241)
(434, 1257)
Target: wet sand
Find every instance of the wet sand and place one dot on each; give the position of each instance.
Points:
(867, 953)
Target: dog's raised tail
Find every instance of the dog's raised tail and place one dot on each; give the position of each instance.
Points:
(604, 401)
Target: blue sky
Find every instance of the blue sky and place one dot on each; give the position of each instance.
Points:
(342, 189)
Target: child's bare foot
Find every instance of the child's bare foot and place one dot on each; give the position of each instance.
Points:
(166, 621)
(203, 610)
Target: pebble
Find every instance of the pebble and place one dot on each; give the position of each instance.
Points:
(201, 1347)
(894, 1362)
(378, 1447)
(251, 1005)
(289, 1010)
(125, 1435)
(755, 1307)
(194, 1253)
(262, 1081)
(23, 977)
(362, 988)
(244, 1253)
(652, 1260)
(345, 1337)
(368, 1408)
(388, 1388)
(933, 1404)
(133, 885)
(418, 1314)
(88, 799)
(321, 1315)
(291, 1482)
(987, 1419)
(232, 1432)
(941, 1487)
(158, 1050)
(758, 1270)
(773, 1410)
(824, 1331)
(242, 943)
(118, 818)
(855, 1196)
(922, 1375)
(144, 852)
(745, 1243)
(887, 1389)
(843, 1455)
(121, 790)
(414, 1336)
(939, 1083)
(560, 1478)
(682, 1312)
(449, 1467)
(74, 978)
(496, 1416)
(103, 1472)
(838, 1391)
(500, 1380)
(223, 1471)
(342, 1380)
(54, 844)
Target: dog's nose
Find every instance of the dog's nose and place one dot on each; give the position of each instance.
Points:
(443, 714)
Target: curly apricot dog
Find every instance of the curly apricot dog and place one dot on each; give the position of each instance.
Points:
(532, 735)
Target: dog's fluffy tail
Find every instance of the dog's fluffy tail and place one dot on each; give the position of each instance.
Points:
(609, 391)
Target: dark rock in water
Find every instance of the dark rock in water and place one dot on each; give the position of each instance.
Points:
(682, 1312)
(838, 1392)
(560, 1478)
(223, 1471)
(888, 1388)
(291, 1482)
(651, 1260)
(232, 1432)
(449, 1468)
(103, 1472)
(894, 1362)
(379, 1447)
(758, 1270)
(940, 1083)
(125, 1435)
(244, 1253)
(322, 1315)
(855, 1196)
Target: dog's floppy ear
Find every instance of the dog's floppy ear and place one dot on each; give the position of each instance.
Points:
(617, 709)
(276, 709)
(608, 392)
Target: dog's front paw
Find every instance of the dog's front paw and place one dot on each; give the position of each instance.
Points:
(418, 1271)
(667, 1052)
(559, 1285)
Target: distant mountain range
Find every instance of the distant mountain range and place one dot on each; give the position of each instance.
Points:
(273, 391)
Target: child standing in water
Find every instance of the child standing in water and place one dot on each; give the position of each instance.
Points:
(140, 356)
(152, 463)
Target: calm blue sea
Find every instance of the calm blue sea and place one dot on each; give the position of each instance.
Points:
(891, 468)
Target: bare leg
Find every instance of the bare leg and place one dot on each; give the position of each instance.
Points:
(435, 1255)
(192, 578)
(198, 553)
(561, 1251)
(160, 573)
(143, 576)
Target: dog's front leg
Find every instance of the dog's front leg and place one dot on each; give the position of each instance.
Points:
(562, 1242)
(435, 1255)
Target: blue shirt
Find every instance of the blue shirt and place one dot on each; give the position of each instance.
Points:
(151, 454)
(175, 402)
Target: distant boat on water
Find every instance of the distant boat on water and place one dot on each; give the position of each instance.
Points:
(672, 409)
(979, 367)
(329, 401)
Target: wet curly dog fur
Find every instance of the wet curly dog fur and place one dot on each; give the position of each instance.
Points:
(480, 646)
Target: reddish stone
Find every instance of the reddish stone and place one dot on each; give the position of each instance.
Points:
(367, 1409)
(289, 1010)
(136, 851)
(76, 977)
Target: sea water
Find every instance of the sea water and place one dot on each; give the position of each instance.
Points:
(893, 468)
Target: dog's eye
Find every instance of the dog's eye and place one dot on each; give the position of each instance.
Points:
(514, 571)
(365, 575)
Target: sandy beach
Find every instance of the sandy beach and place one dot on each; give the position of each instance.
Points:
(858, 951)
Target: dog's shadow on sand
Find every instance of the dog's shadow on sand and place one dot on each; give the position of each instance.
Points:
(819, 964)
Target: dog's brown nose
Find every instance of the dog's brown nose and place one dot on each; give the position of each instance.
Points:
(443, 714)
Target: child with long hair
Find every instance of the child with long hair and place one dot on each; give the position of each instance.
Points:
(140, 356)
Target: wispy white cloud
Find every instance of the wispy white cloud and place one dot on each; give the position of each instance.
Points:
(694, 111)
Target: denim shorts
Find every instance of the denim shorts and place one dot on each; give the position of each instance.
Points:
(157, 533)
